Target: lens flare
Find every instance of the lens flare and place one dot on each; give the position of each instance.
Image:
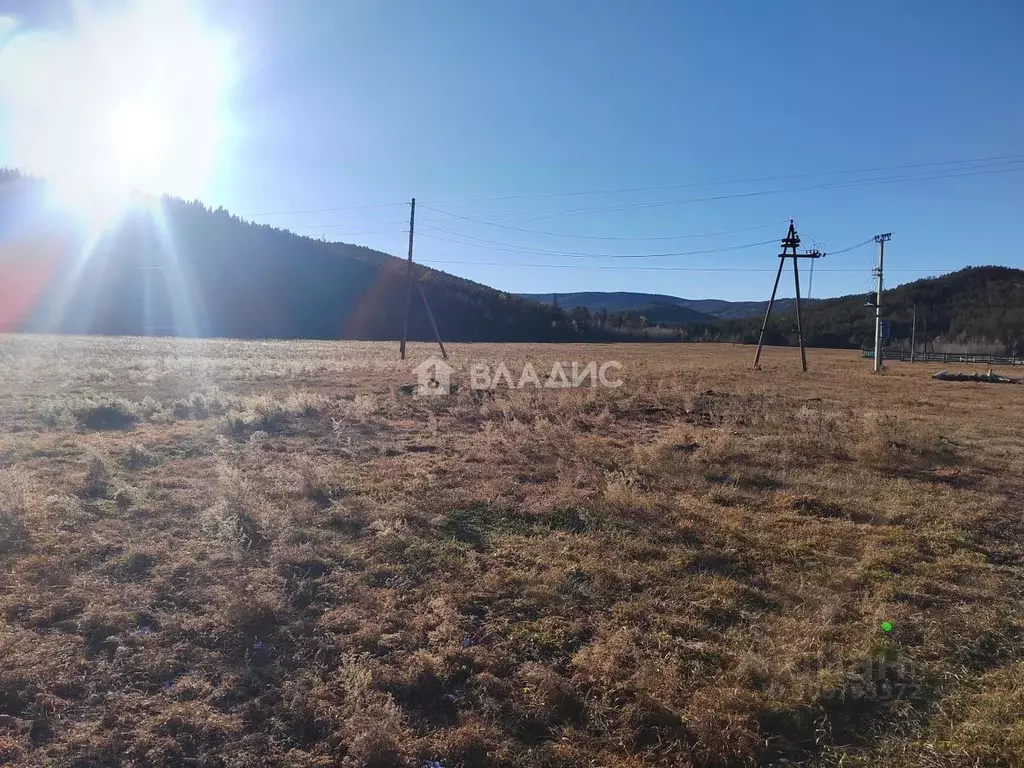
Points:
(123, 105)
(132, 99)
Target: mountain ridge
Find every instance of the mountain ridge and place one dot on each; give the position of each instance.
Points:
(176, 267)
(629, 301)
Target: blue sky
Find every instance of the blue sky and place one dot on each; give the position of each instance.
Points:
(365, 102)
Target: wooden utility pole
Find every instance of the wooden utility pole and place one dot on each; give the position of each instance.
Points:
(423, 295)
(913, 334)
(408, 287)
(881, 240)
(768, 311)
(799, 322)
(789, 243)
(430, 317)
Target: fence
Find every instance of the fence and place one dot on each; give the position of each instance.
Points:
(948, 357)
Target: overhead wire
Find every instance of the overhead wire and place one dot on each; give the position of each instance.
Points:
(503, 247)
(986, 166)
(810, 280)
(580, 255)
(373, 232)
(935, 165)
(728, 181)
(336, 224)
(975, 170)
(322, 210)
(638, 268)
(919, 176)
(619, 237)
(453, 221)
(850, 248)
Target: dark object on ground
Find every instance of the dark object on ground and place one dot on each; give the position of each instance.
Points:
(990, 377)
(108, 416)
(687, 447)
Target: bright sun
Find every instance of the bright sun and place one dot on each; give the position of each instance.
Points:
(118, 103)
(139, 135)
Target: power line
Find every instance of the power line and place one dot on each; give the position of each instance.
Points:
(639, 268)
(579, 255)
(593, 266)
(455, 218)
(849, 248)
(336, 224)
(350, 234)
(729, 181)
(371, 223)
(833, 185)
(494, 245)
(1012, 158)
(602, 237)
(512, 247)
(668, 269)
(919, 176)
(321, 210)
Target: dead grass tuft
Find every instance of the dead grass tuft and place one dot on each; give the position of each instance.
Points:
(97, 478)
(271, 414)
(890, 444)
(13, 492)
(241, 515)
(139, 457)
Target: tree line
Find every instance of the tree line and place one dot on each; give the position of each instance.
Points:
(178, 267)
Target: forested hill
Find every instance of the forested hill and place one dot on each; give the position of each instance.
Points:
(621, 301)
(176, 267)
(669, 308)
(972, 307)
(976, 305)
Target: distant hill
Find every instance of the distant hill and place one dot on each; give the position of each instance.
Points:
(613, 301)
(975, 305)
(731, 310)
(701, 310)
(176, 267)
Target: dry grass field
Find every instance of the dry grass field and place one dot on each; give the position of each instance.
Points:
(220, 553)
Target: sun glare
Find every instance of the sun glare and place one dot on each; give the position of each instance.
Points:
(119, 103)
(139, 136)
